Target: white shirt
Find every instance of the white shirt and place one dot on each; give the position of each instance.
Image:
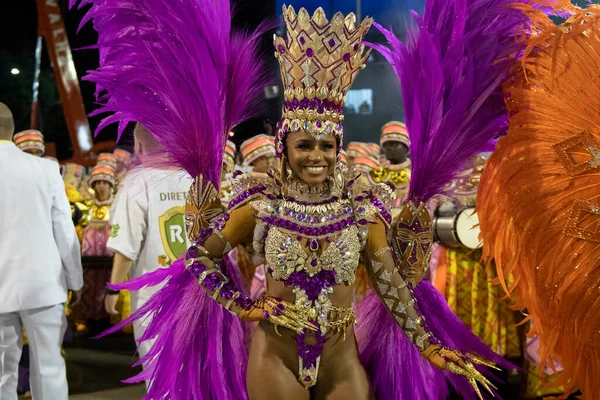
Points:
(148, 226)
(40, 257)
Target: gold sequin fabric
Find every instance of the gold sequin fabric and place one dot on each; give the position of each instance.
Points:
(286, 255)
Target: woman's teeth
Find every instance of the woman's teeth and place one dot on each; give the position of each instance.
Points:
(315, 170)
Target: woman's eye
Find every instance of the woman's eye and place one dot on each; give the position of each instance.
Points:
(302, 146)
(327, 147)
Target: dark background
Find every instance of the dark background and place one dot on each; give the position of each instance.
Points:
(18, 24)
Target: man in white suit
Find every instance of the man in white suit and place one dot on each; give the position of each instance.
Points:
(39, 262)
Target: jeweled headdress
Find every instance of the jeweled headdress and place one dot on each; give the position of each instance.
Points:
(107, 159)
(394, 131)
(357, 149)
(256, 147)
(319, 61)
(122, 155)
(374, 149)
(30, 141)
(102, 173)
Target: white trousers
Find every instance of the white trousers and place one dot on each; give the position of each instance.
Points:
(45, 329)
(139, 327)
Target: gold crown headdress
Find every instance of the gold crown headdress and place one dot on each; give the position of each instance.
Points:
(319, 61)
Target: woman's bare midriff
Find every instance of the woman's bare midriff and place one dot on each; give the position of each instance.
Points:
(273, 363)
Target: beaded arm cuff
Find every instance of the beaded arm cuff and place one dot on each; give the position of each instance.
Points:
(203, 265)
(393, 290)
(373, 203)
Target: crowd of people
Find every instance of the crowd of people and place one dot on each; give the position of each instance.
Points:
(297, 266)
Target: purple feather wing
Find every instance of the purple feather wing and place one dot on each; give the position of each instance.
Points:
(194, 356)
(451, 70)
(176, 67)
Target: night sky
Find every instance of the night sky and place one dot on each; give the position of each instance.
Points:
(18, 27)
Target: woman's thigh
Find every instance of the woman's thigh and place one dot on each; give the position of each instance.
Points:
(343, 380)
(268, 376)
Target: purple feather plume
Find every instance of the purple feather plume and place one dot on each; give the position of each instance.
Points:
(394, 364)
(451, 70)
(200, 349)
(176, 67)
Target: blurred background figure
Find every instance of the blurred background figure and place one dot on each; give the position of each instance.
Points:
(30, 141)
(148, 228)
(39, 262)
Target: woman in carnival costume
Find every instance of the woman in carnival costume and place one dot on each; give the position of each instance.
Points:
(177, 68)
(538, 197)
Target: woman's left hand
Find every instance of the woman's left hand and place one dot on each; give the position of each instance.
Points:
(459, 364)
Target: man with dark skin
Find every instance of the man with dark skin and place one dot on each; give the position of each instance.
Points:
(259, 153)
(396, 167)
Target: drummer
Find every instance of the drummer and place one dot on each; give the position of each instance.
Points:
(461, 277)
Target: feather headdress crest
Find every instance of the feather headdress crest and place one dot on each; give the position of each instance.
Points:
(451, 71)
(178, 68)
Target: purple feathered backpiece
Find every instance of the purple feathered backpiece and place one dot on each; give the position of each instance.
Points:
(395, 366)
(178, 68)
(451, 70)
(200, 348)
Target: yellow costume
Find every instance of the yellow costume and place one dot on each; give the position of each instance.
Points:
(468, 283)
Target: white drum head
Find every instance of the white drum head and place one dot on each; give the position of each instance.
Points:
(467, 228)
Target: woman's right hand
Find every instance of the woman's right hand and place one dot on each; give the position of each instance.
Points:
(279, 312)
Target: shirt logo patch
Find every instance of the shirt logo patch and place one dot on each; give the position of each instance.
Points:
(114, 230)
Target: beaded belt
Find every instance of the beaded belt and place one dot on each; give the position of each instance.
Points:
(309, 356)
(339, 319)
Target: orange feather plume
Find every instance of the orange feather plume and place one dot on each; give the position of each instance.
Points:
(539, 197)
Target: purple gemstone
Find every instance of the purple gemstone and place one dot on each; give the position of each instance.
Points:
(321, 109)
(271, 196)
(328, 239)
(318, 124)
(266, 314)
(358, 198)
(299, 238)
(277, 312)
(347, 57)
(195, 270)
(302, 40)
(237, 173)
(191, 253)
(307, 379)
(314, 246)
(313, 262)
(296, 103)
(363, 221)
(281, 49)
(356, 47)
(310, 52)
(331, 42)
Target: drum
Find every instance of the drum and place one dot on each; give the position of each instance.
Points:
(458, 229)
